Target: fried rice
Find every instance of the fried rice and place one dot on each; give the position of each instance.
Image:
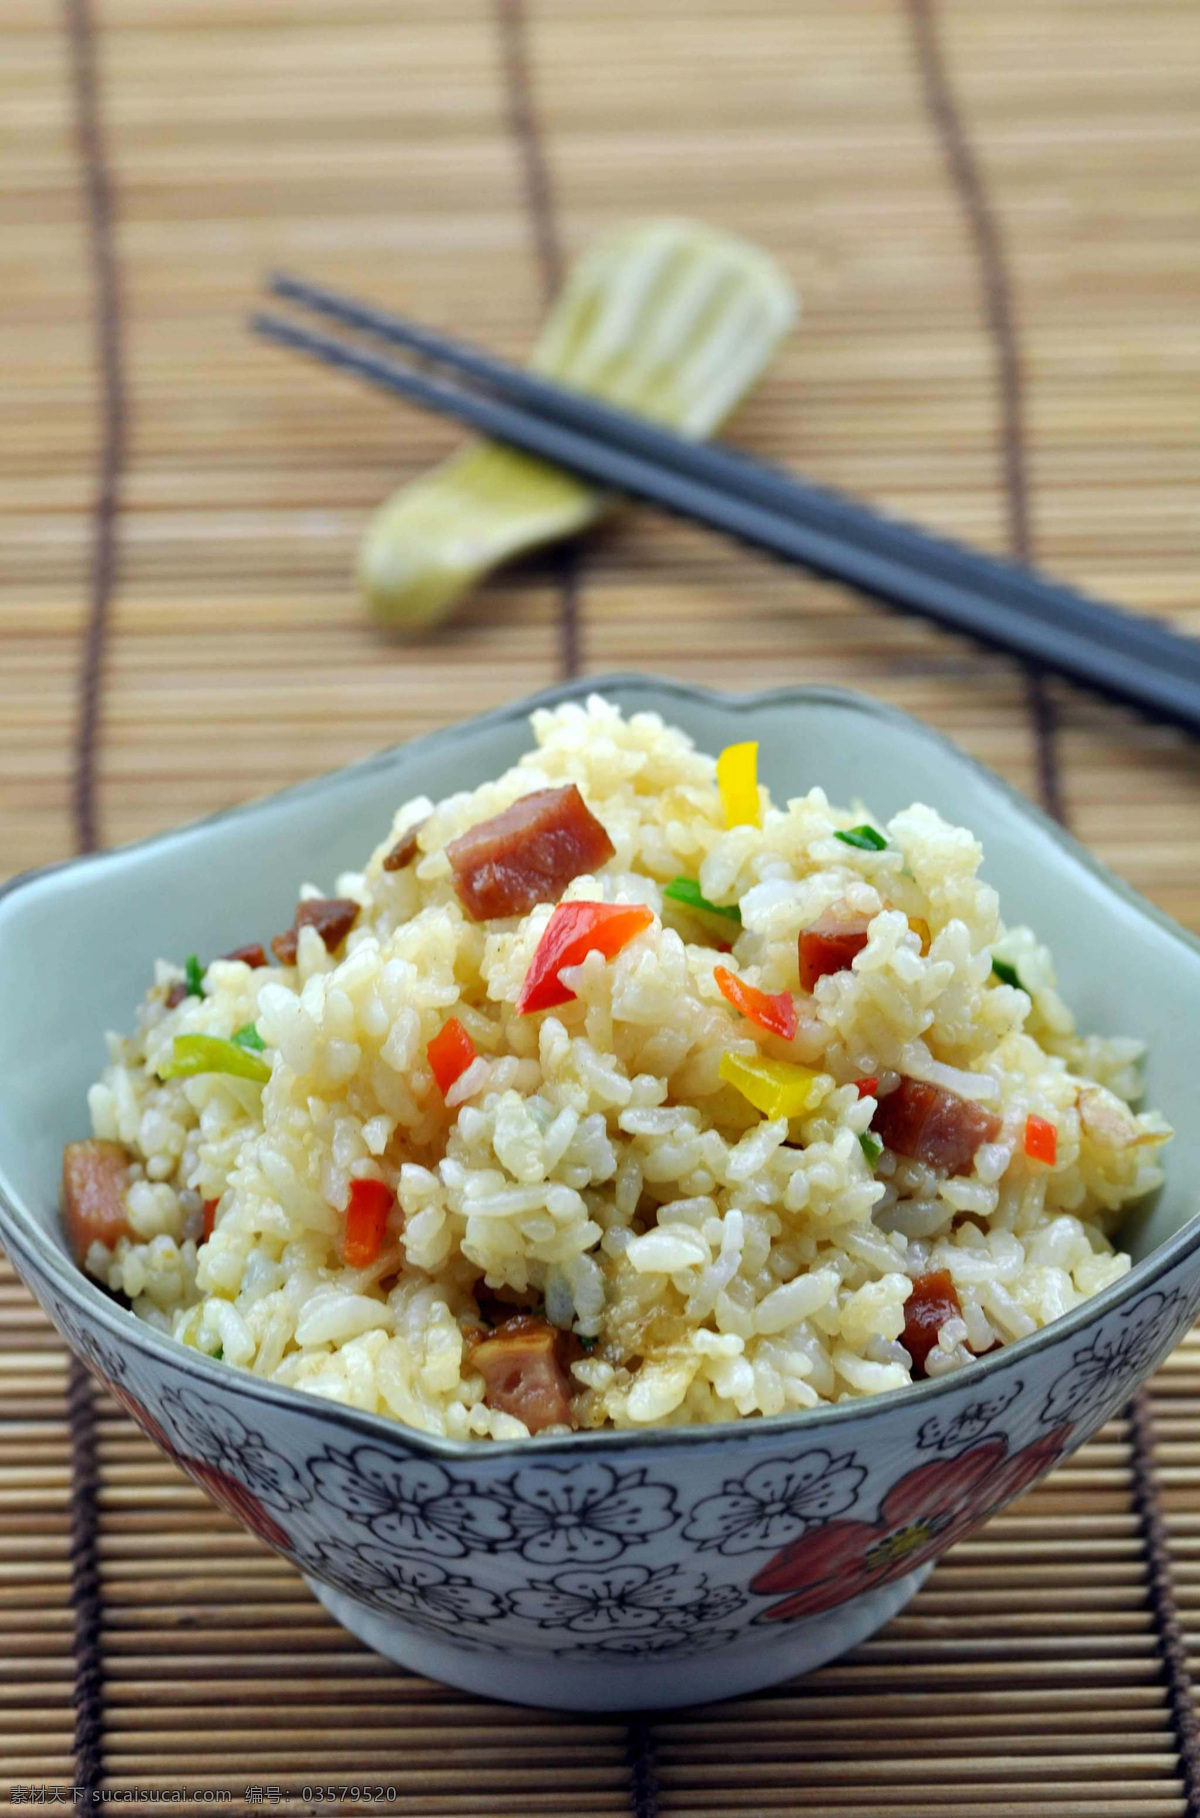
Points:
(593, 1170)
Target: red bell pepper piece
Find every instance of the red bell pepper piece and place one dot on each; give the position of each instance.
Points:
(1041, 1140)
(450, 1054)
(574, 931)
(867, 1088)
(773, 1011)
(210, 1218)
(366, 1222)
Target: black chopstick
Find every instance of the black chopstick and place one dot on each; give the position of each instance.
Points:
(1097, 646)
(1013, 587)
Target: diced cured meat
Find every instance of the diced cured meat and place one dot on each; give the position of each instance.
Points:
(254, 955)
(522, 1367)
(933, 1125)
(94, 1177)
(331, 916)
(830, 945)
(175, 996)
(405, 850)
(931, 1303)
(284, 945)
(528, 854)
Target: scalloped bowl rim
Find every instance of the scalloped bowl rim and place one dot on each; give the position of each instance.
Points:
(22, 1231)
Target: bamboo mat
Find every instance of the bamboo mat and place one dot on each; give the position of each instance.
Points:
(990, 213)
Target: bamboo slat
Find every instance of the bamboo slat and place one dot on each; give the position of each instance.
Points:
(379, 144)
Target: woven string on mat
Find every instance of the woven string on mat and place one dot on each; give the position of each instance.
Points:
(86, 1589)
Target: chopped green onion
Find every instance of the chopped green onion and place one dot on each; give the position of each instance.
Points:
(248, 1037)
(192, 1054)
(872, 1148)
(194, 973)
(1006, 973)
(686, 890)
(867, 839)
(218, 1356)
(589, 1344)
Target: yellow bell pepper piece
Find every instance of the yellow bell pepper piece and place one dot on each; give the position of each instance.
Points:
(737, 779)
(776, 1088)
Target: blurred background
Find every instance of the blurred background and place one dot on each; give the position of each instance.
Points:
(990, 214)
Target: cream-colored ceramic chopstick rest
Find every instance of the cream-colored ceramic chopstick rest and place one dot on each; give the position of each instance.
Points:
(672, 319)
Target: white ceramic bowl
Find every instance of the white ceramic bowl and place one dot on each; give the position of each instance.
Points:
(608, 1570)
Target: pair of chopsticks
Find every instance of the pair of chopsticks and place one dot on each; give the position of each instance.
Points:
(1009, 607)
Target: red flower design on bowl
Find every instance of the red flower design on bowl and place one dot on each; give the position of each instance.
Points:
(237, 1500)
(922, 1515)
(142, 1415)
(233, 1496)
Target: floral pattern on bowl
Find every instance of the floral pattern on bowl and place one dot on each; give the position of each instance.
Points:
(683, 1558)
(619, 1569)
(923, 1513)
